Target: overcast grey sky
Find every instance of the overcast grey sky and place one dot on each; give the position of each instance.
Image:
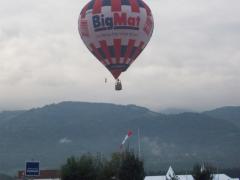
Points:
(192, 60)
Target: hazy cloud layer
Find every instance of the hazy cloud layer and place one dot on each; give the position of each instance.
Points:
(191, 62)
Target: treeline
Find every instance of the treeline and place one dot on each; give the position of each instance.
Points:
(126, 166)
(121, 166)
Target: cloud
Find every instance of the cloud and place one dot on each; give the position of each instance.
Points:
(153, 146)
(159, 148)
(65, 140)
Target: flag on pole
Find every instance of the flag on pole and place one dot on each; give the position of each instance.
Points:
(129, 134)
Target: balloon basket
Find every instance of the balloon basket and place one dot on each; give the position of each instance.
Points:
(118, 85)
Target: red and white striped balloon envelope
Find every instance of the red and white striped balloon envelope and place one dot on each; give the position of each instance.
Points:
(116, 31)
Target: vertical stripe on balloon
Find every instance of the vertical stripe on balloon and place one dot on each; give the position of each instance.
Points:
(147, 9)
(140, 3)
(112, 51)
(132, 52)
(123, 50)
(106, 3)
(134, 5)
(101, 53)
(116, 5)
(84, 10)
(125, 2)
(97, 7)
(130, 46)
(105, 49)
(91, 3)
(137, 52)
(117, 49)
(97, 54)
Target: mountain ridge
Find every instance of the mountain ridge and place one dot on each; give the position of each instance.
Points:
(54, 132)
(228, 113)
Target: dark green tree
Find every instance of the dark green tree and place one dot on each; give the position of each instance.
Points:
(85, 168)
(69, 171)
(131, 167)
(204, 172)
(111, 168)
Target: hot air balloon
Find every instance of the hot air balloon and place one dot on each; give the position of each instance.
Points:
(116, 32)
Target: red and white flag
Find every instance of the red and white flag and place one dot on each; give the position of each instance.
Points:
(129, 134)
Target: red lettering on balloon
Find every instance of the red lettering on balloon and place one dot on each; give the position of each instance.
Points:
(120, 19)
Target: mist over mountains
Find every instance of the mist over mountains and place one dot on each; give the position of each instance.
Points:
(54, 132)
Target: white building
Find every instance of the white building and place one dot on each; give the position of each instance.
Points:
(171, 174)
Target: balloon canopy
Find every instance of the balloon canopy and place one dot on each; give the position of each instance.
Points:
(116, 31)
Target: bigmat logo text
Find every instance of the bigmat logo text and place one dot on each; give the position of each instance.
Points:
(118, 21)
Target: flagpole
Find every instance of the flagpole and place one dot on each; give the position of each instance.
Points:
(139, 145)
